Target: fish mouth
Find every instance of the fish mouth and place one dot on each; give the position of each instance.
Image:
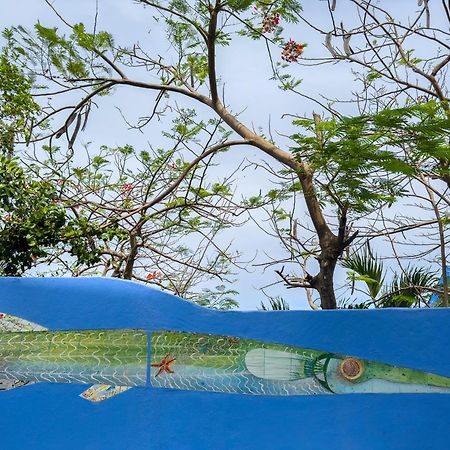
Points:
(353, 375)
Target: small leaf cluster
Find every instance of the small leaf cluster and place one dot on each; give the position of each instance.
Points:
(73, 56)
(221, 298)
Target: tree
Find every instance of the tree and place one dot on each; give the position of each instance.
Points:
(69, 216)
(401, 63)
(342, 167)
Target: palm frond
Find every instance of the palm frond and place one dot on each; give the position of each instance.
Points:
(410, 287)
(368, 268)
(275, 304)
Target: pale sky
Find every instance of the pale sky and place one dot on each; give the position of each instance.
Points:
(245, 70)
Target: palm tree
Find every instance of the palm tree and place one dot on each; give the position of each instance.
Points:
(412, 287)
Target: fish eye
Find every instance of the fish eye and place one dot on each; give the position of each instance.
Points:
(351, 368)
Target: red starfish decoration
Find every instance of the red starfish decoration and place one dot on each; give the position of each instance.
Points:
(164, 365)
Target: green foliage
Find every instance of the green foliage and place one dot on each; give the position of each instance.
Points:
(185, 126)
(95, 192)
(240, 5)
(200, 192)
(80, 236)
(101, 41)
(288, 11)
(72, 56)
(372, 75)
(17, 107)
(367, 268)
(31, 220)
(409, 59)
(410, 287)
(182, 34)
(357, 306)
(275, 304)
(280, 214)
(221, 189)
(35, 223)
(358, 159)
(254, 201)
(195, 67)
(219, 298)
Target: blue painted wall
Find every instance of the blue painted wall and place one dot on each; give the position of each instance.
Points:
(47, 417)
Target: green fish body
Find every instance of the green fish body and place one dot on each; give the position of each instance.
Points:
(114, 357)
(116, 360)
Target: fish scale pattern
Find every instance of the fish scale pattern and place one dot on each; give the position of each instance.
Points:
(217, 363)
(115, 357)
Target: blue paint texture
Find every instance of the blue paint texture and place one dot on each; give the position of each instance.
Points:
(47, 417)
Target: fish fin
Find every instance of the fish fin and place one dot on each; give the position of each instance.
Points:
(274, 364)
(13, 323)
(99, 392)
(6, 385)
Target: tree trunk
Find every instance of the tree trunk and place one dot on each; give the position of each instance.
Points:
(331, 246)
(129, 266)
(325, 285)
(323, 282)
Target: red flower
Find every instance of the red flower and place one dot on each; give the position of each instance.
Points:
(292, 51)
(153, 275)
(126, 188)
(270, 22)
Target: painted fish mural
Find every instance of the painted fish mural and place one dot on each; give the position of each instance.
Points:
(114, 361)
